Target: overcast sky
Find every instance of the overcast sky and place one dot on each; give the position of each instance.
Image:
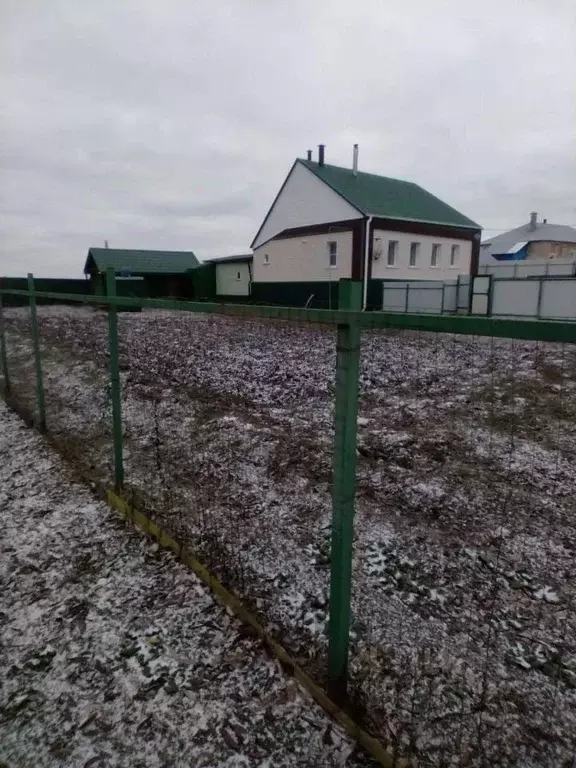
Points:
(168, 124)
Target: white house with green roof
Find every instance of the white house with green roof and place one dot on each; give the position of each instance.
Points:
(328, 222)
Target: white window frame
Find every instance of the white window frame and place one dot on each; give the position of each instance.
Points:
(454, 255)
(266, 259)
(332, 246)
(436, 256)
(392, 251)
(414, 252)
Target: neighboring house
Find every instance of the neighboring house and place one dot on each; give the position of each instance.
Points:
(534, 241)
(233, 275)
(159, 273)
(328, 222)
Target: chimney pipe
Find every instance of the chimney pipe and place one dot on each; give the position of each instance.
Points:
(355, 160)
(321, 148)
(533, 219)
(308, 154)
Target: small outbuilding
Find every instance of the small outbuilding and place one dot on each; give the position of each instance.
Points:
(233, 275)
(153, 274)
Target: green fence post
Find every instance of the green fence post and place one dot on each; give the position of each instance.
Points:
(40, 403)
(407, 302)
(115, 394)
(3, 355)
(343, 487)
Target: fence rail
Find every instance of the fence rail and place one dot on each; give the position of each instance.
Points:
(542, 330)
(376, 485)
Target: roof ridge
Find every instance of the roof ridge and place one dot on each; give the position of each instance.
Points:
(375, 195)
(309, 163)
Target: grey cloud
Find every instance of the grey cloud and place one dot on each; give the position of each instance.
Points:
(172, 125)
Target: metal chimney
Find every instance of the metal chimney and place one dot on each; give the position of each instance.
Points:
(308, 154)
(321, 148)
(355, 160)
(533, 220)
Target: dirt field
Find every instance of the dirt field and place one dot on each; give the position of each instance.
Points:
(114, 655)
(464, 575)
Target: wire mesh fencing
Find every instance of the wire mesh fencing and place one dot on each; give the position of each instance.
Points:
(74, 354)
(464, 584)
(228, 445)
(236, 432)
(73, 357)
(19, 382)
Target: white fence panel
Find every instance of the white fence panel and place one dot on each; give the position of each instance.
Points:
(419, 296)
(425, 297)
(463, 287)
(394, 297)
(530, 269)
(558, 299)
(547, 298)
(481, 286)
(451, 296)
(515, 297)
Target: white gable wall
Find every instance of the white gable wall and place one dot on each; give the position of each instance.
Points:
(304, 201)
(424, 271)
(303, 258)
(233, 278)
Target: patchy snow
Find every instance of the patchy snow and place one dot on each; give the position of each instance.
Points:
(114, 654)
(464, 576)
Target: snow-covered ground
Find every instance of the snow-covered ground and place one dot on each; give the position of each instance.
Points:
(114, 654)
(464, 573)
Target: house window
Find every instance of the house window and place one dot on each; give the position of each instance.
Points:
(454, 255)
(266, 258)
(414, 254)
(332, 253)
(435, 255)
(392, 253)
(238, 276)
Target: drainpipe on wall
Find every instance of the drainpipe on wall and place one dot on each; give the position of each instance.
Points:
(367, 238)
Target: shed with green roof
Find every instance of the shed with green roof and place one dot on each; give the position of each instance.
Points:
(143, 272)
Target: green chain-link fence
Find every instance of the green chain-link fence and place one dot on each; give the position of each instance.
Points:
(392, 494)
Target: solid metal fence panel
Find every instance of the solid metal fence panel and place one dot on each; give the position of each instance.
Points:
(450, 299)
(530, 268)
(515, 297)
(463, 293)
(419, 296)
(558, 299)
(393, 297)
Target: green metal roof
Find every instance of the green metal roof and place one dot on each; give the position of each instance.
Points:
(388, 198)
(243, 257)
(141, 262)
